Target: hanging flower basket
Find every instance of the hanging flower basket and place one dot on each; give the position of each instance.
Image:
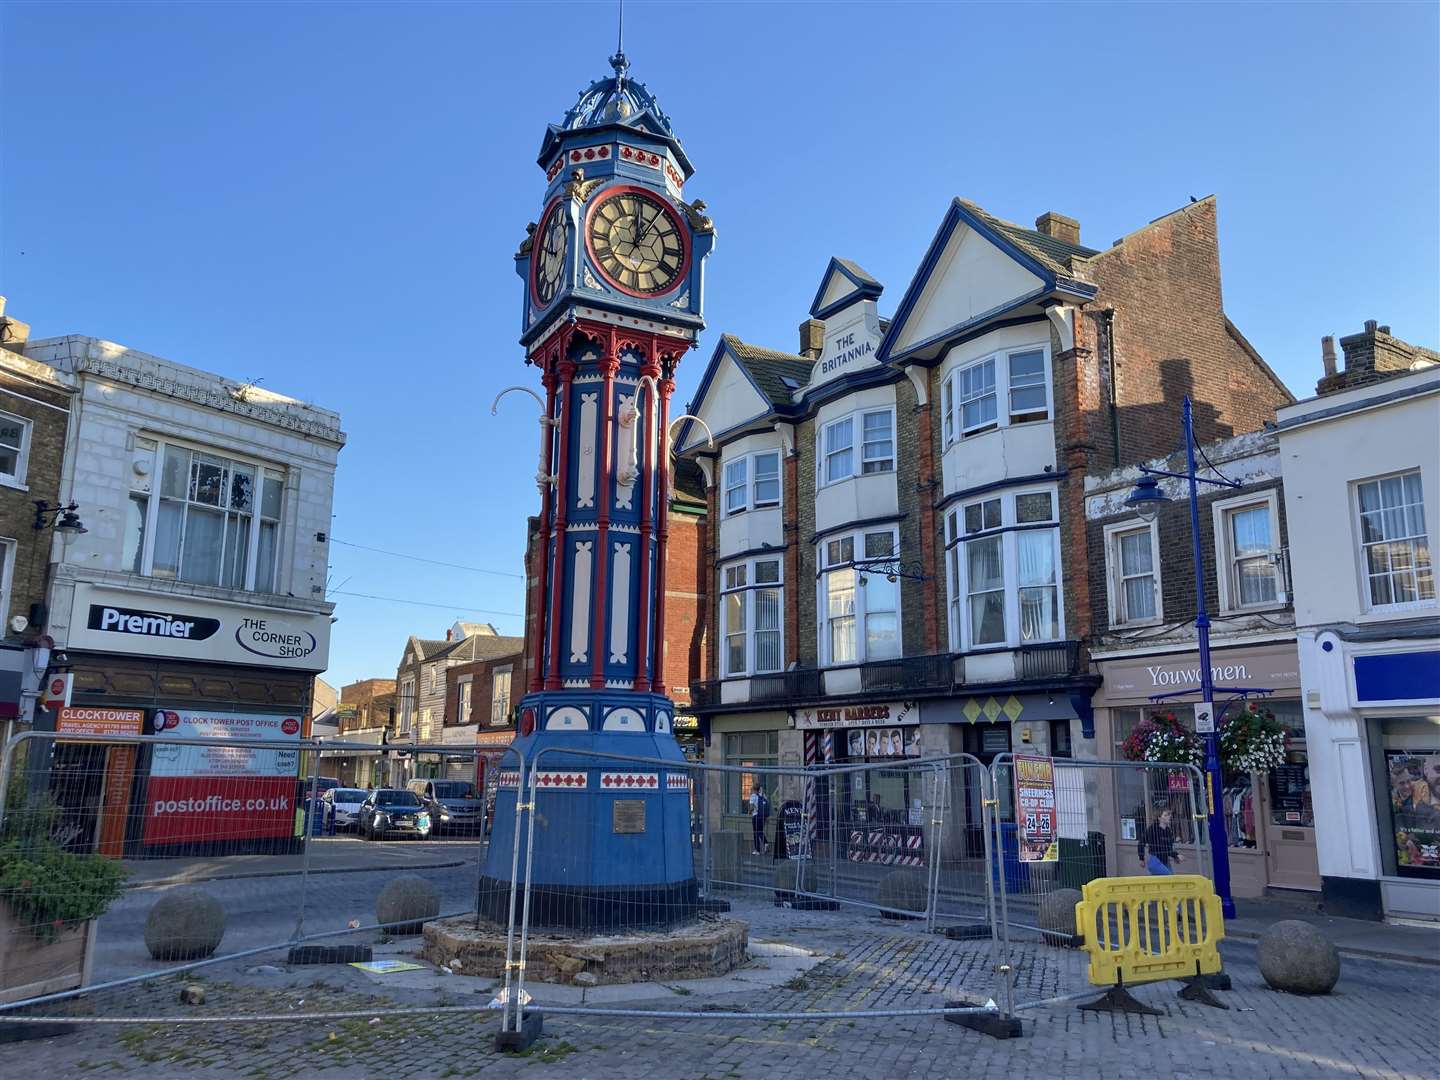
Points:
(1163, 738)
(1252, 740)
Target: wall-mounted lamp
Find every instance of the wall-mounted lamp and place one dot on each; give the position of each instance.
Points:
(66, 522)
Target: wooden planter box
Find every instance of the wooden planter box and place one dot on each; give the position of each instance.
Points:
(30, 967)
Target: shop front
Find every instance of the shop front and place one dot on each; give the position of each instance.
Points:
(1269, 817)
(191, 668)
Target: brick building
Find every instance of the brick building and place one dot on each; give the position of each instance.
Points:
(480, 699)
(35, 410)
(366, 715)
(927, 474)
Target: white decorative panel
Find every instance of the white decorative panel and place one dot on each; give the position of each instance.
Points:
(662, 723)
(585, 482)
(580, 606)
(567, 718)
(626, 466)
(624, 720)
(620, 605)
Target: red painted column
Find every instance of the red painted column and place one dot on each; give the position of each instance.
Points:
(609, 365)
(557, 577)
(662, 511)
(542, 544)
(647, 475)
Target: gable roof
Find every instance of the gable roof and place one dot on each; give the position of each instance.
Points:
(688, 487)
(1049, 259)
(768, 368)
(854, 284)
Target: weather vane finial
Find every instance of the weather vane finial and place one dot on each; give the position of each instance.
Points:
(618, 61)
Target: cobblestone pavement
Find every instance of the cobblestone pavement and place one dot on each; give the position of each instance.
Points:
(1378, 1024)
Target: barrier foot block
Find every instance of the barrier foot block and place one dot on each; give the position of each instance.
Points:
(995, 1024)
(1220, 980)
(968, 932)
(1196, 990)
(330, 954)
(1119, 999)
(12, 1032)
(517, 1042)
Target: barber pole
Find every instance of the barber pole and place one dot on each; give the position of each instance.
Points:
(812, 755)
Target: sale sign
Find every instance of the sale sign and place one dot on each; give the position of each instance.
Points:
(239, 785)
(1035, 809)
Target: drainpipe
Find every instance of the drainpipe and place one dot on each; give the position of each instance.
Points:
(1108, 315)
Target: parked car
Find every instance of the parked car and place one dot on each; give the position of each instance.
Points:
(393, 812)
(343, 806)
(322, 784)
(454, 805)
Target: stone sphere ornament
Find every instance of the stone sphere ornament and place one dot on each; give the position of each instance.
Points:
(1297, 958)
(185, 924)
(1057, 915)
(405, 903)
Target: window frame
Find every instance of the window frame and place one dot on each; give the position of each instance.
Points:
(1227, 582)
(1008, 531)
(749, 633)
(464, 698)
(1114, 586)
(264, 471)
(952, 402)
(749, 482)
(856, 448)
(503, 702)
(8, 547)
(1367, 595)
(17, 479)
(860, 615)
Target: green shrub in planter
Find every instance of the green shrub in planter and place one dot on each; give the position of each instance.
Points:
(48, 889)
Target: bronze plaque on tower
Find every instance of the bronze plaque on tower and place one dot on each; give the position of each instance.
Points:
(628, 816)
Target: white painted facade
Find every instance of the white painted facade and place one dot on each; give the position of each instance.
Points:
(130, 407)
(1330, 446)
(758, 524)
(859, 496)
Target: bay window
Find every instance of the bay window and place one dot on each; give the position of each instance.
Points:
(1002, 563)
(215, 520)
(836, 457)
(859, 609)
(752, 482)
(750, 607)
(971, 395)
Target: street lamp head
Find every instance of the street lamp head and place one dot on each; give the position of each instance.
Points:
(69, 527)
(1147, 498)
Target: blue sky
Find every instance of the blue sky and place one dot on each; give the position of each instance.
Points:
(328, 196)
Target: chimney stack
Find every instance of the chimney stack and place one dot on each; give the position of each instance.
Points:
(1327, 354)
(812, 339)
(13, 332)
(1059, 226)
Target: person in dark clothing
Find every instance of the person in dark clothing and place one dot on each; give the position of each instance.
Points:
(1159, 841)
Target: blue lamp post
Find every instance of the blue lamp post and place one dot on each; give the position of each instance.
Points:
(1146, 500)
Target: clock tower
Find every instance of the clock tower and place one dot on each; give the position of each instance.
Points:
(613, 298)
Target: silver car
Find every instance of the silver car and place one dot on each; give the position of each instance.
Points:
(454, 805)
(342, 805)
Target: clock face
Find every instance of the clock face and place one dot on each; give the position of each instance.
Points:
(638, 242)
(549, 256)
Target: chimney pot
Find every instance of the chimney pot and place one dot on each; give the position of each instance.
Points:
(1370, 326)
(1384, 329)
(1059, 226)
(1327, 354)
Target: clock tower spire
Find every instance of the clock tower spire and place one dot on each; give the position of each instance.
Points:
(613, 298)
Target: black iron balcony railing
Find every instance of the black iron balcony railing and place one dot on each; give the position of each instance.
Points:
(1050, 660)
(908, 673)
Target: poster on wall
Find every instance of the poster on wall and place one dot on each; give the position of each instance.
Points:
(1415, 809)
(217, 791)
(884, 743)
(1035, 809)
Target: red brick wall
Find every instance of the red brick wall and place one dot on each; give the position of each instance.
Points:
(481, 688)
(1171, 339)
(686, 603)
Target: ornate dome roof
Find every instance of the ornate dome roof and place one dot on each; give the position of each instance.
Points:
(616, 100)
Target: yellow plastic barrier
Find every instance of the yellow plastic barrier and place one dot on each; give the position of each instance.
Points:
(1143, 929)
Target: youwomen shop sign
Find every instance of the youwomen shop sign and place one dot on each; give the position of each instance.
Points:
(1141, 678)
(192, 628)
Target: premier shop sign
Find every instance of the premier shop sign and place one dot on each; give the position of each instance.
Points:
(194, 628)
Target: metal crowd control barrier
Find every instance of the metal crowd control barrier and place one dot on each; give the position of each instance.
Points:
(121, 821)
(1146, 929)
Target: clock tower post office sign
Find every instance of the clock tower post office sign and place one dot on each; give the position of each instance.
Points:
(194, 628)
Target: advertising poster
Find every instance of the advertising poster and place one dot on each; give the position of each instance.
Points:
(884, 743)
(1035, 809)
(1415, 809)
(219, 792)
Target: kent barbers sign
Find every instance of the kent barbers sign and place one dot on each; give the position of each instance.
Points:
(193, 628)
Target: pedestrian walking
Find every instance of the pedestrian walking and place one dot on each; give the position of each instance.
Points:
(759, 811)
(1158, 840)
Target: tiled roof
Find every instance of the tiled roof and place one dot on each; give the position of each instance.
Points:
(856, 269)
(1054, 254)
(689, 484)
(428, 647)
(768, 368)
